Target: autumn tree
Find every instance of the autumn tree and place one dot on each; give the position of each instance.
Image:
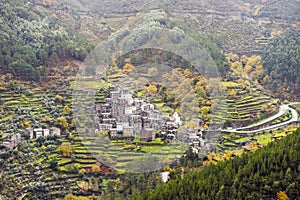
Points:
(152, 89)
(61, 122)
(282, 196)
(66, 68)
(237, 65)
(47, 118)
(205, 112)
(128, 68)
(67, 109)
(266, 79)
(26, 123)
(59, 99)
(82, 171)
(43, 148)
(248, 69)
(65, 150)
(254, 60)
(232, 93)
(232, 57)
(96, 169)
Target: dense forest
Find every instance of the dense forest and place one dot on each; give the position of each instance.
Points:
(31, 41)
(281, 61)
(271, 172)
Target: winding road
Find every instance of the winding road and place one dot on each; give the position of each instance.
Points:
(282, 110)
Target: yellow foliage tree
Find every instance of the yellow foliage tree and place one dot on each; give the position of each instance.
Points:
(227, 155)
(248, 69)
(59, 98)
(105, 132)
(62, 122)
(266, 79)
(96, 169)
(40, 68)
(2, 88)
(244, 59)
(26, 123)
(282, 196)
(232, 93)
(247, 83)
(43, 147)
(128, 68)
(152, 89)
(67, 109)
(204, 112)
(66, 68)
(264, 107)
(82, 171)
(69, 197)
(47, 118)
(211, 158)
(259, 68)
(65, 150)
(232, 57)
(237, 65)
(187, 73)
(201, 82)
(254, 60)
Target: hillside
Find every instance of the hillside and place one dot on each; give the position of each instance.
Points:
(282, 60)
(43, 33)
(30, 38)
(218, 66)
(267, 174)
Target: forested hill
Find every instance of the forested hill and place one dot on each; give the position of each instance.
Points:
(30, 38)
(282, 64)
(272, 172)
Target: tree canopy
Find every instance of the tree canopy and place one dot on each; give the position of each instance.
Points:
(29, 39)
(281, 60)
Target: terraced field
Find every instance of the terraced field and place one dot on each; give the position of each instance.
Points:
(238, 143)
(247, 105)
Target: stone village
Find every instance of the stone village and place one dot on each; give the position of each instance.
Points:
(125, 117)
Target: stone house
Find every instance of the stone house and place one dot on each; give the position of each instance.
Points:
(12, 141)
(147, 135)
(55, 131)
(105, 127)
(113, 133)
(40, 132)
(128, 131)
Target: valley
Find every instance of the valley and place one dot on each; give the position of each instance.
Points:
(149, 99)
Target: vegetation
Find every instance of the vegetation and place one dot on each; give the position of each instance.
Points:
(42, 45)
(281, 60)
(31, 42)
(271, 172)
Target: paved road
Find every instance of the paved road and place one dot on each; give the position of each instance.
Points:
(282, 110)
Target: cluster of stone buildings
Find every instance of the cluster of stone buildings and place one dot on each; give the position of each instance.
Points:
(196, 137)
(40, 132)
(12, 140)
(126, 117)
